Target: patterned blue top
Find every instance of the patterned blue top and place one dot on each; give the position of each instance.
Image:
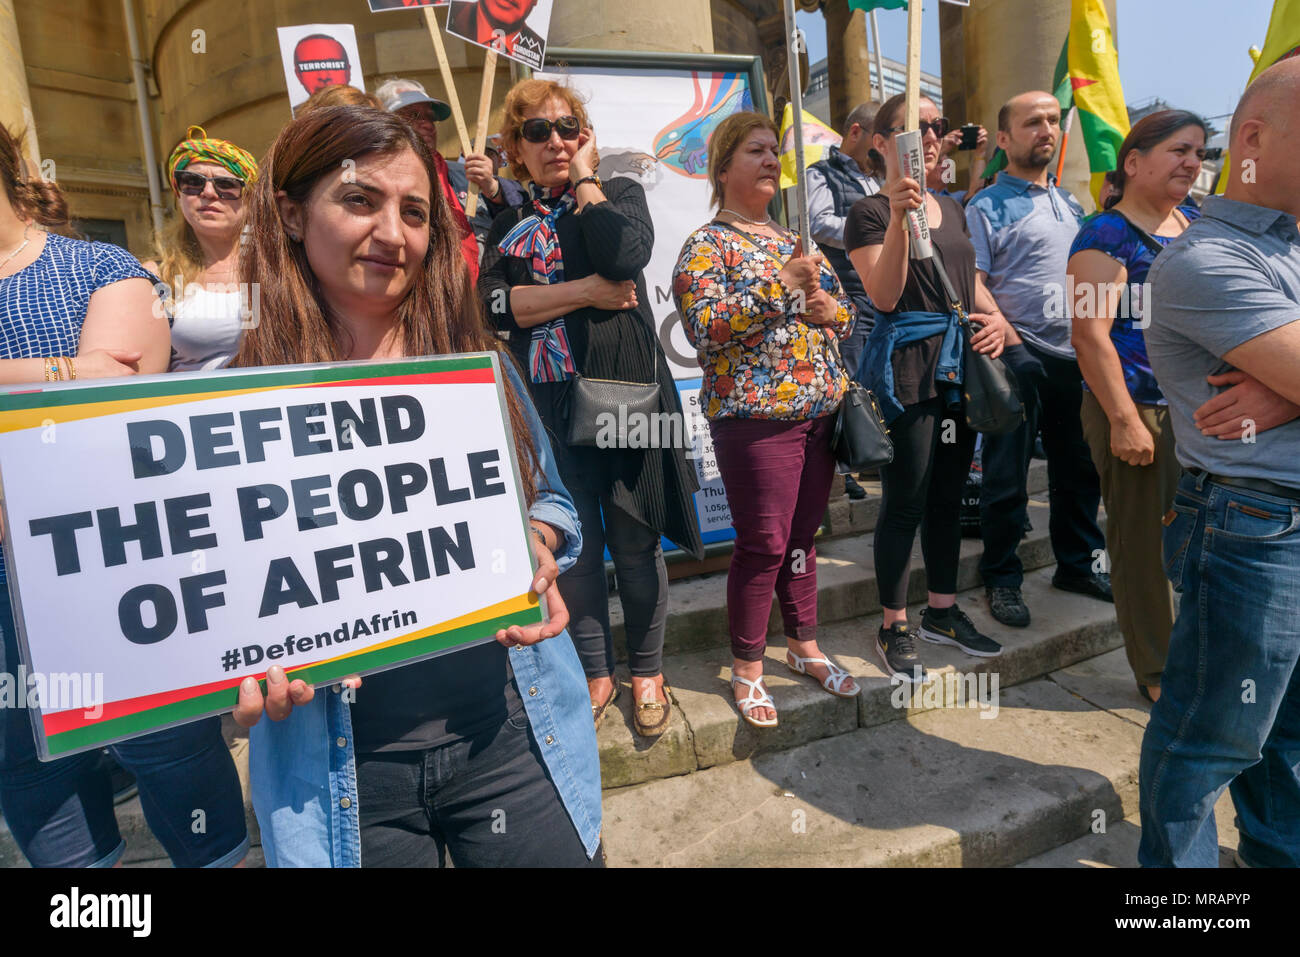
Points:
(43, 305)
(1110, 233)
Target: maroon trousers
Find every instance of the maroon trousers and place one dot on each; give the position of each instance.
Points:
(778, 477)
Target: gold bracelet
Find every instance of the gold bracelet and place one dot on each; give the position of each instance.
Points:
(45, 367)
(72, 367)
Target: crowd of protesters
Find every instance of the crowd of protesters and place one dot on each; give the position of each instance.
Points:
(1138, 400)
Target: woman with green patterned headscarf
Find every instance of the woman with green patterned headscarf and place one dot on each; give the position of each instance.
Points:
(199, 251)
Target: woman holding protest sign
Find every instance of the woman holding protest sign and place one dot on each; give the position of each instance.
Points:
(915, 339)
(764, 318)
(199, 251)
(562, 276)
(102, 324)
(359, 258)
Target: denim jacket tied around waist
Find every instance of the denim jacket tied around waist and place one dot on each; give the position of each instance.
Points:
(303, 769)
(892, 330)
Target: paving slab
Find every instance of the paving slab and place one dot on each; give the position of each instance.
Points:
(945, 787)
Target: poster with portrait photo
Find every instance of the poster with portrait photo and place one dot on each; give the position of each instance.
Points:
(514, 28)
(317, 55)
(380, 6)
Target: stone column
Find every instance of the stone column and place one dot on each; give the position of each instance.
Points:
(1008, 47)
(847, 59)
(683, 26)
(15, 100)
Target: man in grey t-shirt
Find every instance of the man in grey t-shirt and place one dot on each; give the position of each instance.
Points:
(1226, 295)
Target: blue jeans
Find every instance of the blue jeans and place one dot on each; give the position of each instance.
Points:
(1229, 708)
(61, 811)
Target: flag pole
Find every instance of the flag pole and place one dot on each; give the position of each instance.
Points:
(910, 159)
(794, 43)
(1065, 140)
(880, 63)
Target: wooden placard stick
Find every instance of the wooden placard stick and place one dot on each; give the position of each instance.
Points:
(484, 111)
(447, 81)
(912, 112)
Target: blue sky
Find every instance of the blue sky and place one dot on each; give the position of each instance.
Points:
(1191, 53)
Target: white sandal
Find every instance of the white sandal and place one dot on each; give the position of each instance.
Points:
(835, 679)
(756, 697)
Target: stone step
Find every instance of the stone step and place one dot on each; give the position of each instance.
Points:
(943, 787)
(706, 729)
(846, 586)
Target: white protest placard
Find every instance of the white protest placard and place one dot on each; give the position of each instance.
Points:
(173, 535)
(317, 55)
(514, 28)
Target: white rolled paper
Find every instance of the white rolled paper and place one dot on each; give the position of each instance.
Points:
(912, 163)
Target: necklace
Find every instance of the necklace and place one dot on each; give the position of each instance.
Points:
(746, 219)
(21, 246)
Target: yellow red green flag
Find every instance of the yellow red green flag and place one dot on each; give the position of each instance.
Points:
(817, 139)
(1087, 76)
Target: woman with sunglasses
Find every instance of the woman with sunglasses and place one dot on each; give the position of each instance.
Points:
(100, 324)
(359, 257)
(562, 276)
(199, 251)
(914, 350)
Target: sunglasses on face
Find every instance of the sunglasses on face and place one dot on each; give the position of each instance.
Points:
(538, 130)
(192, 184)
(940, 127)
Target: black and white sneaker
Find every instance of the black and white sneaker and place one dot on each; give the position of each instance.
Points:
(896, 646)
(950, 626)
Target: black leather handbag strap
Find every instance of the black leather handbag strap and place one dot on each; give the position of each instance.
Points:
(1147, 239)
(954, 301)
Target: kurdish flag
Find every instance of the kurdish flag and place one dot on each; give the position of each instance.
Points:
(1087, 77)
(868, 5)
(1283, 39)
(817, 138)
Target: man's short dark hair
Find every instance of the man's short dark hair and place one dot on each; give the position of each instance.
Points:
(1004, 117)
(864, 114)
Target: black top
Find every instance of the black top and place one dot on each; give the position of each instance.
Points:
(915, 363)
(450, 698)
(613, 239)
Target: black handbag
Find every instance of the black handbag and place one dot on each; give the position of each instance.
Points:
(600, 410)
(993, 405)
(860, 439)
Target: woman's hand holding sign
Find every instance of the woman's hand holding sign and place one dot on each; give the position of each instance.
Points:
(281, 697)
(543, 584)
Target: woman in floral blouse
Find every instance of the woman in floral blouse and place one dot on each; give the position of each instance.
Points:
(762, 316)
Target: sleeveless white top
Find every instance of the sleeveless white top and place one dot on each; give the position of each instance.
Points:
(206, 327)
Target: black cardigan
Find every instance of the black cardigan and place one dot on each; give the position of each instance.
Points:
(613, 239)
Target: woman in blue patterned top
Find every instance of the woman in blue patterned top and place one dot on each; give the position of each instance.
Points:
(77, 310)
(1125, 417)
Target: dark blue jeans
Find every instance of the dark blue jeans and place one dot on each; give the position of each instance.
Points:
(1052, 402)
(486, 800)
(1229, 708)
(61, 812)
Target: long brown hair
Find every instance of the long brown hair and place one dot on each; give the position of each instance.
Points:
(29, 195)
(440, 314)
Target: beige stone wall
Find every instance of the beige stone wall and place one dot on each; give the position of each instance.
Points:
(78, 76)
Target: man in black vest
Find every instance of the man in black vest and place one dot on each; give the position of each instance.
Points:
(835, 183)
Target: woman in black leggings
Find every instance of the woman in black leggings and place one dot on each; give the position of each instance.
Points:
(911, 361)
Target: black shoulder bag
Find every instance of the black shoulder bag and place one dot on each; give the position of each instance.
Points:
(993, 404)
(595, 404)
(860, 439)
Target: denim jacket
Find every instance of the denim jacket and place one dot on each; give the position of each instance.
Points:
(876, 368)
(303, 769)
